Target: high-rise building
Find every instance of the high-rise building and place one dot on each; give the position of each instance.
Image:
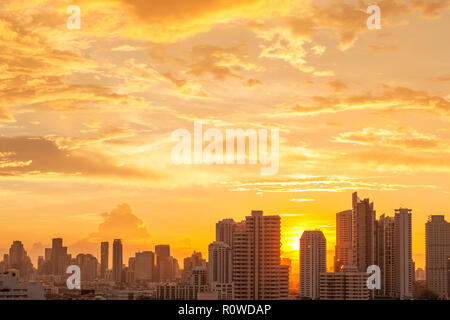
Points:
(393, 254)
(104, 258)
(220, 263)
(404, 271)
(144, 265)
(385, 255)
(195, 260)
(163, 265)
(448, 277)
(363, 232)
(313, 261)
(343, 249)
(420, 274)
(198, 276)
(117, 260)
(348, 284)
(19, 260)
(59, 257)
(226, 228)
(257, 272)
(437, 251)
(88, 266)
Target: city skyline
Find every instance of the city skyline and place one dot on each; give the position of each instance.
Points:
(87, 117)
(227, 226)
(245, 263)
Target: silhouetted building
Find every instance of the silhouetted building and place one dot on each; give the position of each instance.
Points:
(313, 261)
(403, 263)
(117, 260)
(163, 265)
(144, 265)
(257, 273)
(343, 249)
(19, 260)
(104, 258)
(220, 259)
(226, 228)
(348, 284)
(59, 258)
(88, 266)
(363, 232)
(437, 239)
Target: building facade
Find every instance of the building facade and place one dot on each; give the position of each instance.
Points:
(313, 261)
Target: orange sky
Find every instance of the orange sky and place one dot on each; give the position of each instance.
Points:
(86, 117)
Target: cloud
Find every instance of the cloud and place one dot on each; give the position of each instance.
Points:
(6, 116)
(35, 74)
(404, 139)
(397, 161)
(31, 155)
(337, 85)
(122, 223)
(300, 184)
(397, 98)
(441, 78)
(100, 135)
(221, 63)
(383, 47)
(300, 200)
(252, 82)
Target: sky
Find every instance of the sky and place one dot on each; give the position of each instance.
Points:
(87, 116)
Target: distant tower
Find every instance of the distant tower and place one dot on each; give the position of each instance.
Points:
(437, 240)
(344, 253)
(404, 270)
(59, 257)
(104, 257)
(313, 261)
(117, 260)
(363, 232)
(18, 259)
(144, 265)
(220, 263)
(226, 228)
(163, 263)
(385, 256)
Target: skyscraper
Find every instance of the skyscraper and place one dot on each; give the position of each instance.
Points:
(385, 255)
(88, 266)
(257, 273)
(117, 260)
(404, 271)
(363, 232)
(313, 261)
(144, 265)
(220, 263)
(437, 251)
(59, 258)
(163, 265)
(226, 228)
(104, 257)
(195, 260)
(343, 249)
(18, 259)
